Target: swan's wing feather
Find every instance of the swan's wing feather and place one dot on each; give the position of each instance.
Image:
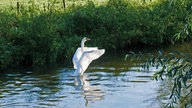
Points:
(76, 57)
(78, 54)
(95, 54)
(89, 56)
(90, 48)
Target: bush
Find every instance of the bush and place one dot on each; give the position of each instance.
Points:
(36, 36)
(6, 52)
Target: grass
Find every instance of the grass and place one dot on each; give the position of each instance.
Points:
(69, 3)
(35, 35)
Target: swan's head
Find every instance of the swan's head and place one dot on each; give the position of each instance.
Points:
(85, 39)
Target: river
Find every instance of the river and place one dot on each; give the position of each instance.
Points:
(109, 82)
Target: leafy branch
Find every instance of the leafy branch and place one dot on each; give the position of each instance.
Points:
(176, 67)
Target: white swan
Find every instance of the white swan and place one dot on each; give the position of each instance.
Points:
(84, 56)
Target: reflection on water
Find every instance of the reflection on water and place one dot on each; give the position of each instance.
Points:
(90, 92)
(115, 84)
(96, 89)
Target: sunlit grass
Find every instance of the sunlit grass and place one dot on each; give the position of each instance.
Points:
(40, 3)
(144, 3)
(70, 3)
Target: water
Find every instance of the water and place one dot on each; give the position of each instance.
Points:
(104, 85)
(109, 82)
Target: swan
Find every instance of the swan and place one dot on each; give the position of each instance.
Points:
(84, 56)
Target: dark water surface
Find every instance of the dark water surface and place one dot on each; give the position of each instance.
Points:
(110, 82)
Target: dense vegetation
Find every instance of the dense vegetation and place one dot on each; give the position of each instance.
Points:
(33, 36)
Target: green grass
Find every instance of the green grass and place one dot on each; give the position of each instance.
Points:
(70, 3)
(35, 35)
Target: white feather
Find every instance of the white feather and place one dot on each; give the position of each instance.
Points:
(78, 54)
(84, 56)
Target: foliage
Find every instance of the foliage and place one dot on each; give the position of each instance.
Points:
(119, 23)
(34, 36)
(5, 51)
(176, 67)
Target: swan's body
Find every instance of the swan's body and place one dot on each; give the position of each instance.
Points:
(84, 56)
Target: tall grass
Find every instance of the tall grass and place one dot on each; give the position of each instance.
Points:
(36, 36)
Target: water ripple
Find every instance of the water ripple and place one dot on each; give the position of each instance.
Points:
(97, 88)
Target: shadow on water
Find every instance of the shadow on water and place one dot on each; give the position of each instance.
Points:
(20, 89)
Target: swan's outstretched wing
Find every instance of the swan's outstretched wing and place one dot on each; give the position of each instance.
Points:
(88, 56)
(78, 54)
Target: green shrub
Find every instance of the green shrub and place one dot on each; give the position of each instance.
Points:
(6, 52)
(38, 36)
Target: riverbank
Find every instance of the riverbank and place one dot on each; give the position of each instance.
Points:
(34, 36)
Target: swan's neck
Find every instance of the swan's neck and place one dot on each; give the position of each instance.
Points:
(82, 45)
